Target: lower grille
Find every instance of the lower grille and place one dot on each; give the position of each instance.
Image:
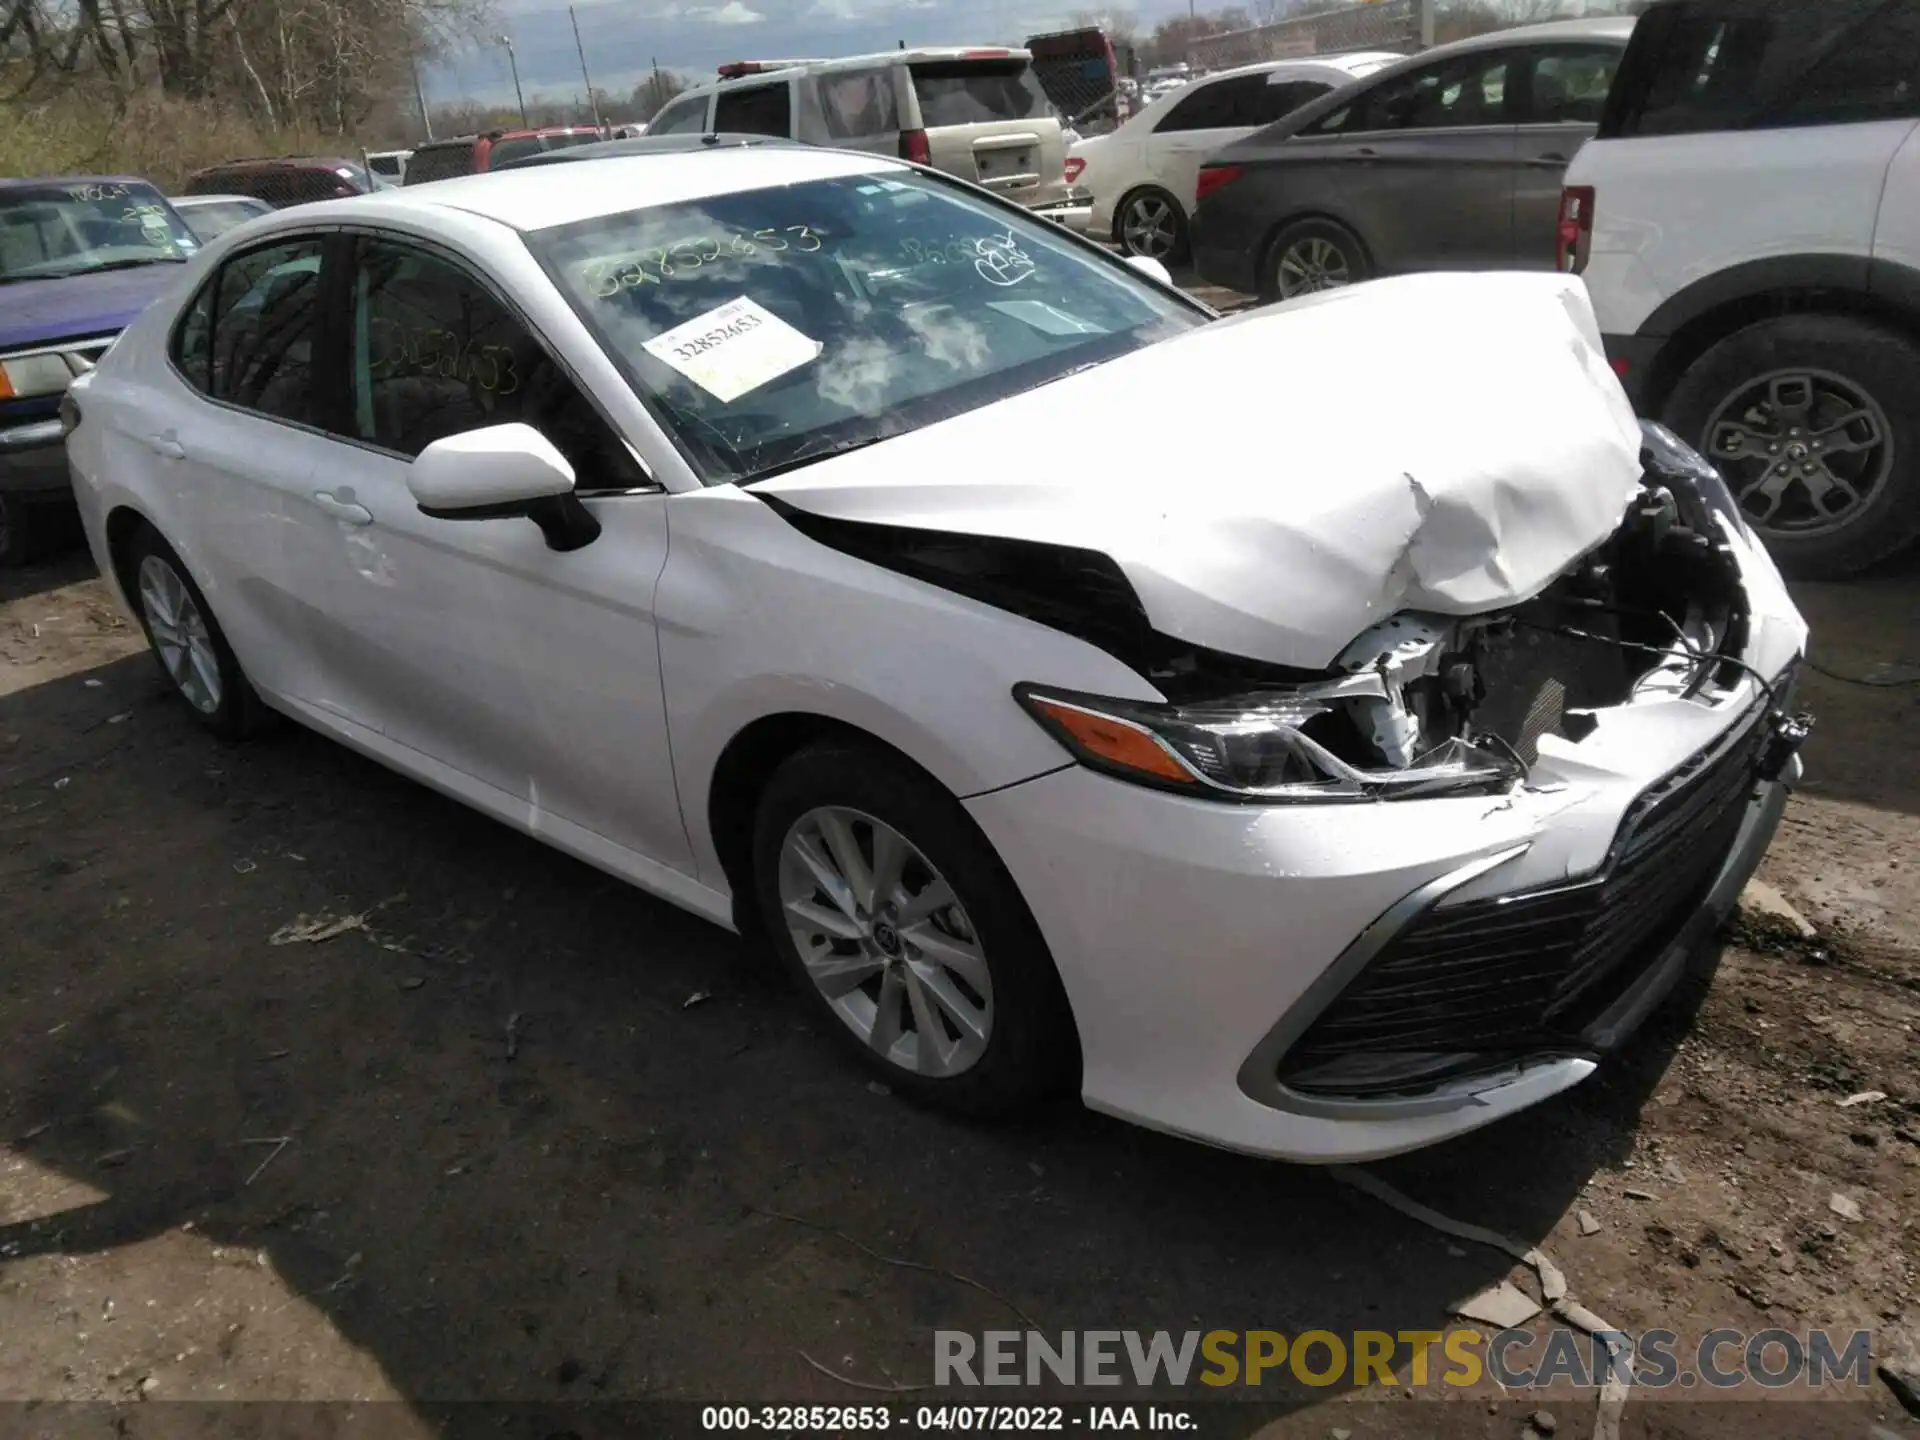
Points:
(1470, 987)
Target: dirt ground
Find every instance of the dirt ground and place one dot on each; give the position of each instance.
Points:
(522, 1134)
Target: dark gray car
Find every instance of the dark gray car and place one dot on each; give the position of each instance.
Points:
(1450, 160)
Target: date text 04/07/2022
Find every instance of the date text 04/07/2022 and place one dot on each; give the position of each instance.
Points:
(846, 1419)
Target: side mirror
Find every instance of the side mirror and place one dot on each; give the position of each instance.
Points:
(1152, 269)
(502, 472)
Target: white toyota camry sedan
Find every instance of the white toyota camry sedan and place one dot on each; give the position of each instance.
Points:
(1318, 733)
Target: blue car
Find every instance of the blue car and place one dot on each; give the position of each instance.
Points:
(80, 256)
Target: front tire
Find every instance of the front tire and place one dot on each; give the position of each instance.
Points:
(187, 642)
(894, 915)
(1310, 256)
(1812, 420)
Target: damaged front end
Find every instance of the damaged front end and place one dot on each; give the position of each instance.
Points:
(1425, 704)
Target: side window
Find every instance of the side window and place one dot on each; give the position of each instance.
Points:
(266, 309)
(1276, 102)
(435, 354)
(1471, 90)
(193, 339)
(685, 116)
(1213, 106)
(1569, 85)
(859, 103)
(754, 110)
(1468, 90)
(1708, 66)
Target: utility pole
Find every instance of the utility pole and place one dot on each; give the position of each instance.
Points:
(518, 94)
(420, 95)
(592, 100)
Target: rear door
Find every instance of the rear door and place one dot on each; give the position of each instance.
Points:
(246, 457)
(1426, 162)
(1561, 97)
(987, 120)
(1213, 113)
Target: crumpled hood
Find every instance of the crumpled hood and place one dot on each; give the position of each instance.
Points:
(46, 312)
(1274, 484)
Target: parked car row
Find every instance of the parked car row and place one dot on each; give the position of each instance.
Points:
(1737, 181)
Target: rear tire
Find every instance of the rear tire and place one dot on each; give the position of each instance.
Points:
(954, 1002)
(187, 642)
(1310, 256)
(1812, 419)
(1150, 222)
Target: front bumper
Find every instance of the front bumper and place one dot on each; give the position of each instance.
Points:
(33, 460)
(1200, 943)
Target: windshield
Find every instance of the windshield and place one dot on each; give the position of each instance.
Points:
(75, 228)
(211, 221)
(767, 328)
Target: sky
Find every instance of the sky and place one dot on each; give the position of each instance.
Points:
(623, 37)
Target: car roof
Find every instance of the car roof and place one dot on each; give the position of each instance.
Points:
(787, 69)
(268, 162)
(1347, 60)
(537, 197)
(194, 202)
(1599, 27)
(641, 145)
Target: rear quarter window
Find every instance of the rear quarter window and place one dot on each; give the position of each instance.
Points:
(1713, 65)
(977, 92)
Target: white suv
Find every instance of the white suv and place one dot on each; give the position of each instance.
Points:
(1748, 224)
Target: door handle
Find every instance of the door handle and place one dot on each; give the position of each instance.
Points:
(1549, 159)
(343, 510)
(1367, 152)
(167, 446)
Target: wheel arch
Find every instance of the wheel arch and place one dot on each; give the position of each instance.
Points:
(1299, 217)
(1692, 321)
(740, 775)
(124, 522)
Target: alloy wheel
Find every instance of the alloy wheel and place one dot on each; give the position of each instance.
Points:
(180, 635)
(1803, 450)
(1313, 263)
(886, 941)
(1149, 228)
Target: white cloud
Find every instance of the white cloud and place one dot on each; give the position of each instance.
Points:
(731, 13)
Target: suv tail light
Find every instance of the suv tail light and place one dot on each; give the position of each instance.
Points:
(1213, 177)
(1576, 227)
(914, 147)
(1074, 166)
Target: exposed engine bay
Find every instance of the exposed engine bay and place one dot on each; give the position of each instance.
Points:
(1420, 703)
(1659, 606)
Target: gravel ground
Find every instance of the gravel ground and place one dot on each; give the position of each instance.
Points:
(238, 1170)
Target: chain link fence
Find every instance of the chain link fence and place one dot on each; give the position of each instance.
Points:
(1081, 73)
(1379, 25)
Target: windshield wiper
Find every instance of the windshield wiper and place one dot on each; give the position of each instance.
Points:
(809, 457)
(103, 269)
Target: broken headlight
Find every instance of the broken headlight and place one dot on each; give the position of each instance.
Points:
(1665, 453)
(1274, 747)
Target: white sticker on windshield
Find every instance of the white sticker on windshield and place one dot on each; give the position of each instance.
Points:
(733, 349)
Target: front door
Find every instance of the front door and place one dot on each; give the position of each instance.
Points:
(1428, 164)
(534, 672)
